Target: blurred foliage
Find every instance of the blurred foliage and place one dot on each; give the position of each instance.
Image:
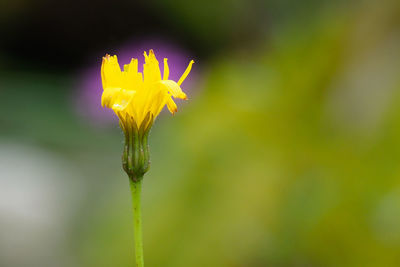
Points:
(286, 155)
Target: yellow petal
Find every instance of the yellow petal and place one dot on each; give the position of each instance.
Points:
(111, 72)
(166, 69)
(174, 89)
(107, 96)
(103, 82)
(151, 69)
(171, 105)
(116, 98)
(152, 55)
(131, 79)
(133, 66)
(122, 99)
(158, 100)
(186, 73)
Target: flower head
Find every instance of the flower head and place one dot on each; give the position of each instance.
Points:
(138, 96)
(137, 99)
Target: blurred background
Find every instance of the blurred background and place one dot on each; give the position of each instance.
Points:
(286, 154)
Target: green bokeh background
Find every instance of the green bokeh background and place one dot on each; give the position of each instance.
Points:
(287, 153)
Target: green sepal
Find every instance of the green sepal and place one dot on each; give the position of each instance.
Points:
(136, 156)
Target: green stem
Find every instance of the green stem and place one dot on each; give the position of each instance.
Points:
(136, 188)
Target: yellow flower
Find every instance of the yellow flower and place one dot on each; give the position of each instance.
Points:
(136, 96)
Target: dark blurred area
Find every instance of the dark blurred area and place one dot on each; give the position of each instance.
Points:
(286, 154)
(58, 35)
